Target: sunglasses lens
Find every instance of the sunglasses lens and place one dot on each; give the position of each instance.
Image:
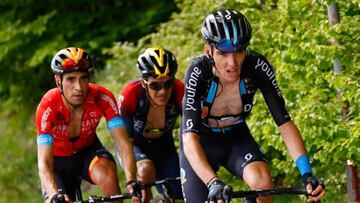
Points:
(159, 85)
(168, 84)
(156, 86)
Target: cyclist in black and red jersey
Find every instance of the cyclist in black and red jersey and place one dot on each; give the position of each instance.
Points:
(66, 120)
(149, 108)
(219, 90)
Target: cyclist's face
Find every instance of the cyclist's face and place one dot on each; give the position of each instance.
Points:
(228, 65)
(75, 87)
(159, 90)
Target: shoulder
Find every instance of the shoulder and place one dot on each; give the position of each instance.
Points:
(47, 107)
(130, 95)
(99, 90)
(132, 88)
(179, 89)
(51, 98)
(256, 60)
(200, 65)
(131, 91)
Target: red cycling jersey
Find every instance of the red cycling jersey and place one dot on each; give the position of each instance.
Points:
(52, 118)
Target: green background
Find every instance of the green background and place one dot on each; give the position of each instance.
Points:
(295, 36)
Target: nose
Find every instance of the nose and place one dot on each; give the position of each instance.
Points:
(162, 90)
(77, 85)
(231, 59)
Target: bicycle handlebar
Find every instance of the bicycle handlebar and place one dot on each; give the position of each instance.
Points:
(260, 193)
(165, 181)
(94, 199)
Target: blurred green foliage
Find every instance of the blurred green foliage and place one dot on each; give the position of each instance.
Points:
(295, 36)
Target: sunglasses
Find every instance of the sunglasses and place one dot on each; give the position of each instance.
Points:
(69, 64)
(227, 46)
(159, 85)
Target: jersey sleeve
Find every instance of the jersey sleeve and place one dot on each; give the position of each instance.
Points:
(196, 77)
(127, 102)
(179, 92)
(43, 117)
(266, 81)
(107, 103)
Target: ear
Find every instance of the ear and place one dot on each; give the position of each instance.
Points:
(142, 82)
(57, 80)
(207, 49)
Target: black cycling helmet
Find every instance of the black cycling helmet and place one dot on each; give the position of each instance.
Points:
(157, 62)
(71, 59)
(227, 30)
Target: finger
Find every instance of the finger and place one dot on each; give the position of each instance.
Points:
(309, 188)
(220, 201)
(317, 190)
(67, 198)
(316, 198)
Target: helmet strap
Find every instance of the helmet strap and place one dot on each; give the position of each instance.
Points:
(211, 57)
(147, 93)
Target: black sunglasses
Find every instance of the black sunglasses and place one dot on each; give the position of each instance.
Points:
(159, 85)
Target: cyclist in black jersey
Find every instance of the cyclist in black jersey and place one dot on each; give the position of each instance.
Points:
(219, 90)
(150, 107)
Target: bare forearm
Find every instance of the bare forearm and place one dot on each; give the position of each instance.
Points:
(293, 140)
(47, 178)
(125, 148)
(197, 158)
(128, 161)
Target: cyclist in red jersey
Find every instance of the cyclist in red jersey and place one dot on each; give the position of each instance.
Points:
(66, 120)
(150, 107)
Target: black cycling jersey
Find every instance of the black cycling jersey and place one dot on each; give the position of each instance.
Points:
(201, 85)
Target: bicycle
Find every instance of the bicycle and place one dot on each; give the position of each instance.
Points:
(166, 184)
(94, 198)
(251, 195)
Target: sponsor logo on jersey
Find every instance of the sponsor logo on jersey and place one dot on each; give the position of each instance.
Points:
(44, 118)
(190, 88)
(265, 67)
(110, 101)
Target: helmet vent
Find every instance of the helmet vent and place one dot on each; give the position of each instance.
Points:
(221, 30)
(213, 28)
(231, 31)
(62, 56)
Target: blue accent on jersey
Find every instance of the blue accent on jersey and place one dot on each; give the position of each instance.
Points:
(44, 139)
(212, 92)
(303, 164)
(115, 122)
(242, 87)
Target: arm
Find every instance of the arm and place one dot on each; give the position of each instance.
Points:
(46, 173)
(197, 158)
(196, 77)
(125, 147)
(296, 148)
(292, 139)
